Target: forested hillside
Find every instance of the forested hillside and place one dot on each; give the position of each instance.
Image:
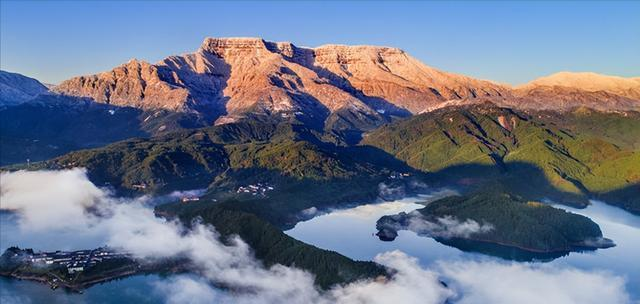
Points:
(566, 157)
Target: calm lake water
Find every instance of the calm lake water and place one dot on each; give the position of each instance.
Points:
(352, 233)
(349, 231)
(134, 289)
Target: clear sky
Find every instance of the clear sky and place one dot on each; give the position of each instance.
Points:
(510, 42)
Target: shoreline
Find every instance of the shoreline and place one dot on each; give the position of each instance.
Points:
(55, 282)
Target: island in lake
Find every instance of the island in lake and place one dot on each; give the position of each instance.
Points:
(499, 224)
(74, 270)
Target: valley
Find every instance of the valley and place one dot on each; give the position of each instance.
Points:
(276, 137)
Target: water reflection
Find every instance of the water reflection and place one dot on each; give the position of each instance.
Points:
(349, 232)
(128, 290)
(500, 251)
(352, 232)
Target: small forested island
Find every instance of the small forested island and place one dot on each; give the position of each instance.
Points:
(73, 270)
(497, 218)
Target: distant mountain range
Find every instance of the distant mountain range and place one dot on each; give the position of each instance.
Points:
(591, 82)
(333, 85)
(238, 77)
(16, 88)
(227, 79)
(341, 90)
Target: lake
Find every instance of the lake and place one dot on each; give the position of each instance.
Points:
(352, 232)
(348, 231)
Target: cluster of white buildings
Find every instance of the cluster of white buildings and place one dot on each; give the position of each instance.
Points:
(139, 186)
(257, 189)
(187, 199)
(396, 175)
(75, 261)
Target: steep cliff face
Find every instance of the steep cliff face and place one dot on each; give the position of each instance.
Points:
(16, 88)
(234, 77)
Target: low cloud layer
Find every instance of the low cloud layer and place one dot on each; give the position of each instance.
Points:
(132, 226)
(445, 227)
(411, 284)
(60, 200)
(49, 199)
(505, 283)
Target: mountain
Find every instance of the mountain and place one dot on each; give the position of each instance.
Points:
(562, 98)
(590, 82)
(567, 157)
(567, 91)
(338, 91)
(16, 88)
(303, 171)
(335, 87)
(51, 125)
(332, 86)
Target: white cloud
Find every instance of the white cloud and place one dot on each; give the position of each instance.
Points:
(177, 195)
(188, 290)
(497, 283)
(411, 284)
(49, 199)
(446, 227)
(132, 226)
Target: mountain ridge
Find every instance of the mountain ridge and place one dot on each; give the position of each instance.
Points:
(240, 76)
(341, 88)
(16, 88)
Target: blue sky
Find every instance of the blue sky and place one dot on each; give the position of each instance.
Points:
(510, 42)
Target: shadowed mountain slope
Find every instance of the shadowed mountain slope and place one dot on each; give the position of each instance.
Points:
(582, 154)
(16, 88)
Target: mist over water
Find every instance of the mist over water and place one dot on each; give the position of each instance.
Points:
(130, 225)
(603, 276)
(624, 229)
(617, 263)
